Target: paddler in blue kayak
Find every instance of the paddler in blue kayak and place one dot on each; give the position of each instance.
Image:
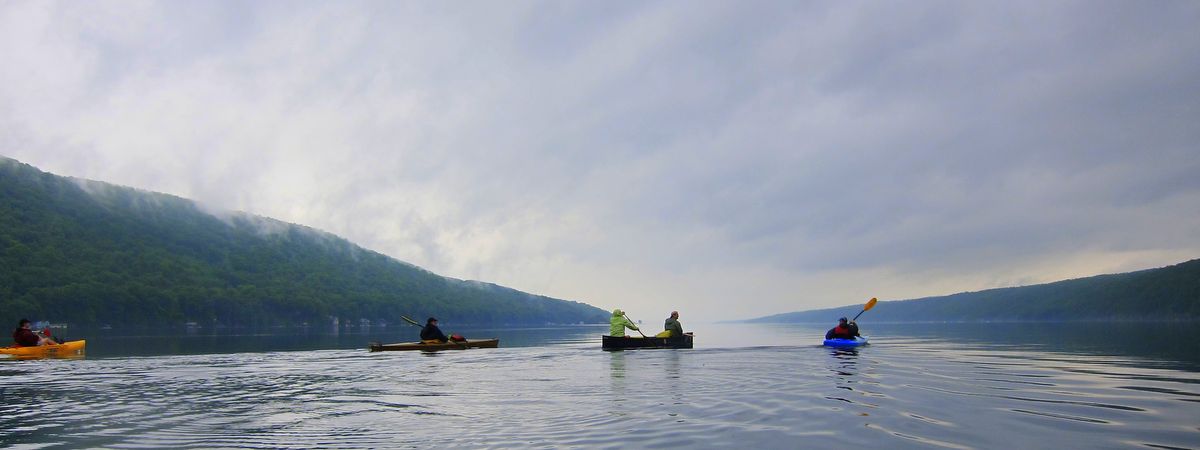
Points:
(618, 324)
(843, 330)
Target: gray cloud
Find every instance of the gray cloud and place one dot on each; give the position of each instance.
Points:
(721, 159)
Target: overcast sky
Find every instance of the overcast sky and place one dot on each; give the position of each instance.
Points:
(728, 159)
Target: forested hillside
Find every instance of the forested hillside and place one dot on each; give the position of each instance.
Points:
(91, 253)
(1168, 293)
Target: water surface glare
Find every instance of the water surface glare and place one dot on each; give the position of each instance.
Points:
(903, 391)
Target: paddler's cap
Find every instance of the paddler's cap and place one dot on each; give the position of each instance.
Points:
(618, 312)
(431, 320)
(842, 319)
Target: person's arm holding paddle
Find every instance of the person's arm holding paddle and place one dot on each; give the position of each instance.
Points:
(619, 323)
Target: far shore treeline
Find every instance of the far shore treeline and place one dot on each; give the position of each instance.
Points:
(1165, 294)
(91, 254)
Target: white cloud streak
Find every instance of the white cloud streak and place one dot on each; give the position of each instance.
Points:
(727, 160)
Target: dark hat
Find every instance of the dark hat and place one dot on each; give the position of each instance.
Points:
(842, 319)
(431, 320)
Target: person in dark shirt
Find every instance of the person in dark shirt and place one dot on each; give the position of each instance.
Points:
(431, 332)
(843, 330)
(25, 337)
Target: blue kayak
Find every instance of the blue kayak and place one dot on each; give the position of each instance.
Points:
(861, 340)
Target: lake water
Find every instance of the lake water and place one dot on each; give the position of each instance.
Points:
(744, 386)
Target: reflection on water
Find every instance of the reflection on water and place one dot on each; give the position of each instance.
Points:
(617, 368)
(113, 343)
(744, 387)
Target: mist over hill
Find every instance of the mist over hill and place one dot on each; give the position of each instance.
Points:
(91, 253)
(1165, 294)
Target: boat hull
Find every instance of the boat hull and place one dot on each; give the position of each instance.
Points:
(408, 346)
(66, 350)
(629, 342)
(861, 340)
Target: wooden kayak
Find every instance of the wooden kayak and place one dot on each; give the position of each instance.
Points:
(631, 342)
(469, 343)
(70, 349)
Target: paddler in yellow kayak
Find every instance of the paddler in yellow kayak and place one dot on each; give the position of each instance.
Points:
(25, 337)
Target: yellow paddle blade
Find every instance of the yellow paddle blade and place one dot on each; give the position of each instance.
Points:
(871, 304)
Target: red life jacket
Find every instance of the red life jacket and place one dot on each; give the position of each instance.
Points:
(842, 332)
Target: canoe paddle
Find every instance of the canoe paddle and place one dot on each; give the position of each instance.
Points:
(870, 304)
(639, 329)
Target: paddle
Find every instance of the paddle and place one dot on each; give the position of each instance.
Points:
(406, 319)
(870, 304)
(639, 329)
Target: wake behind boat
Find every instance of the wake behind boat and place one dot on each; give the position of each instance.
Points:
(432, 347)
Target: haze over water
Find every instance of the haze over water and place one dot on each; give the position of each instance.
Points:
(747, 386)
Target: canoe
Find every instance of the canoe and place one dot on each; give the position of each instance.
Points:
(470, 343)
(70, 349)
(632, 342)
(861, 340)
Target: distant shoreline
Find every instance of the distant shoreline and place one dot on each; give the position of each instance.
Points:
(997, 321)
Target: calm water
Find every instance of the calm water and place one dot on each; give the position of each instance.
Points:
(993, 386)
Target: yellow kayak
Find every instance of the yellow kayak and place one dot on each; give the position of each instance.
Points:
(70, 349)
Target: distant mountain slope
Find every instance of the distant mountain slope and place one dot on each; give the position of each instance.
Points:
(91, 253)
(1168, 293)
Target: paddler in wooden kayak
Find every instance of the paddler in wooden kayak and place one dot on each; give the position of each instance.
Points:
(430, 333)
(618, 324)
(25, 337)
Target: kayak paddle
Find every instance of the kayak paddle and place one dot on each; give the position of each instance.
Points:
(870, 304)
(406, 319)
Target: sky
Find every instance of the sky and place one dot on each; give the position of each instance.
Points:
(725, 159)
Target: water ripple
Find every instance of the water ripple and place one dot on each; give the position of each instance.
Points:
(914, 394)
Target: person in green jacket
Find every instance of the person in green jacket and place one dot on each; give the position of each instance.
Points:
(618, 324)
(672, 327)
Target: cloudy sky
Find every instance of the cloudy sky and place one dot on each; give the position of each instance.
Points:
(726, 159)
